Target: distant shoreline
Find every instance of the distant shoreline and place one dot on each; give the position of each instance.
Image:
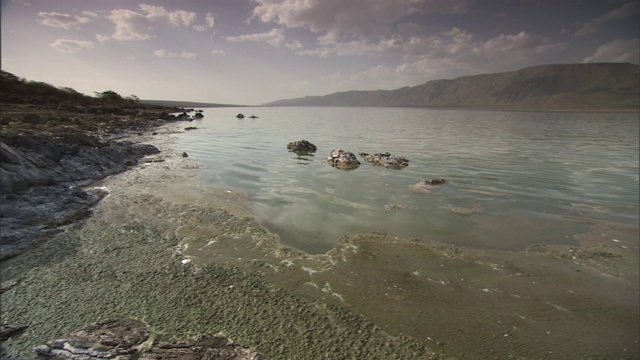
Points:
(186, 104)
(460, 108)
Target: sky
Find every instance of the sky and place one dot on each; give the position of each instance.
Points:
(250, 52)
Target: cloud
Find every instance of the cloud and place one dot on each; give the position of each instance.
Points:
(22, 2)
(62, 21)
(132, 25)
(274, 37)
(617, 51)
(456, 45)
(71, 46)
(218, 52)
(184, 54)
(362, 18)
(188, 55)
(209, 19)
(627, 10)
(102, 38)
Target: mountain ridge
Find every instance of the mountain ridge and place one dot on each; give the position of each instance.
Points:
(593, 86)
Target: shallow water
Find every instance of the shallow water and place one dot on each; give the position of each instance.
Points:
(513, 178)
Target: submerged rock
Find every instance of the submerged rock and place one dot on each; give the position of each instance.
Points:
(240, 116)
(424, 186)
(343, 159)
(386, 159)
(302, 146)
(126, 339)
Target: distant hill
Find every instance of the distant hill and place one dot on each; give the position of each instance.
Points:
(184, 104)
(596, 86)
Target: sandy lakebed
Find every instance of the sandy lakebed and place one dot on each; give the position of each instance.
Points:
(187, 259)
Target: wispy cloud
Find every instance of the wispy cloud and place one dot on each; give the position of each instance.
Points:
(218, 52)
(617, 51)
(132, 25)
(71, 46)
(184, 54)
(274, 37)
(62, 21)
(627, 10)
(361, 18)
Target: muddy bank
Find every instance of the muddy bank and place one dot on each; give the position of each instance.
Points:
(187, 260)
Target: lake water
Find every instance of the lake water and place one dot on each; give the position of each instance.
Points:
(512, 178)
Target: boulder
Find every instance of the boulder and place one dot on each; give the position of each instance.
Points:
(198, 115)
(386, 159)
(302, 146)
(240, 116)
(253, 117)
(343, 159)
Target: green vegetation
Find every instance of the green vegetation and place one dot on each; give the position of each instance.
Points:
(15, 90)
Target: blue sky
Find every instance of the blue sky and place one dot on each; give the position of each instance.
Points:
(255, 51)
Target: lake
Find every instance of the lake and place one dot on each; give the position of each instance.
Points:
(512, 178)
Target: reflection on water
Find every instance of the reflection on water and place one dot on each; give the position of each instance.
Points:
(513, 178)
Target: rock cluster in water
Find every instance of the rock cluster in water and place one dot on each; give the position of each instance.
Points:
(301, 146)
(385, 159)
(343, 159)
(128, 339)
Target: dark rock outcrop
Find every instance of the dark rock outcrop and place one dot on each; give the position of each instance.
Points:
(27, 161)
(40, 179)
(126, 339)
(240, 116)
(386, 159)
(343, 159)
(302, 146)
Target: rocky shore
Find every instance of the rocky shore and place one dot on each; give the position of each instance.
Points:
(166, 267)
(47, 155)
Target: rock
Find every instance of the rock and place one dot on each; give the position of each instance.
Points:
(199, 115)
(40, 179)
(126, 339)
(253, 117)
(184, 117)
(184, 154)
(343, 159)
(302, 146)
(240, 116)
(424, 186)
(189, 128)
(433, 181)
(386, 159)
(7, 331)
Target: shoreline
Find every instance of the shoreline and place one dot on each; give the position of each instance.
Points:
(189, 259)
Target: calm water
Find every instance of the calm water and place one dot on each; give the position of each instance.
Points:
(513, 178)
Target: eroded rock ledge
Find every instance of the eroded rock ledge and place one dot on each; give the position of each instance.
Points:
(47, 155)
(126, 339)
